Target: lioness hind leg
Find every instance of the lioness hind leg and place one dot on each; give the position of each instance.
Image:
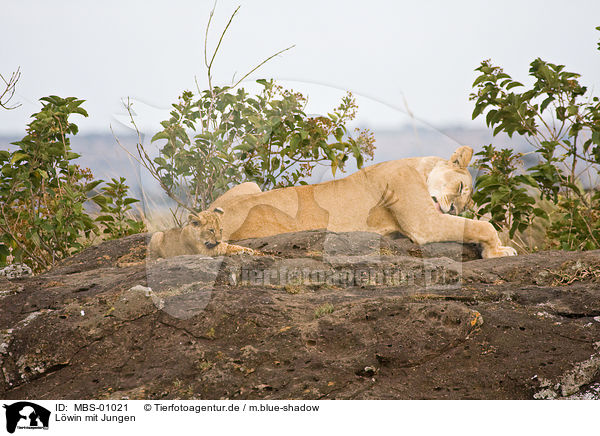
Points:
(241, 189)
(263, 220)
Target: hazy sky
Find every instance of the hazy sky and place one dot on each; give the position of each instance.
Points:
(386, 52)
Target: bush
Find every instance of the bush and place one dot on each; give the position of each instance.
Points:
(503, 193)
(42, 192)
(562, 123)
(223, 136)
(115, 208)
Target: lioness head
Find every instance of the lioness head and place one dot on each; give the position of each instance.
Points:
(205, 228)
(449, 182)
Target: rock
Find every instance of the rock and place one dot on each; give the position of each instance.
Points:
(8, 287)
(323, 245)
(15, 271)
(582, 374)
(402, 322)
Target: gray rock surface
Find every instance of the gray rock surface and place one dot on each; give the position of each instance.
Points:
(320, 315)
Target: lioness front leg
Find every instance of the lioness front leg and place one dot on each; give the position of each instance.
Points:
(423, 224)
(437, 227)
(484, 233)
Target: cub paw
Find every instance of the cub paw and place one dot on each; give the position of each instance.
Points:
(500, 251)
(237, 249)
(246, 250)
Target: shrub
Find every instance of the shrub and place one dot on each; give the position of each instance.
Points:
(115, 208)
(223, 136)
(503, 193)
(562, 123)
(42, 192)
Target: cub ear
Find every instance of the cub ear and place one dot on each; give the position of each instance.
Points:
(197, 217)
(462, 156)
(218, 210)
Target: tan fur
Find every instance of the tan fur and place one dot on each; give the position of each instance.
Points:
(202, 234)
(394, 196)
(201, 228)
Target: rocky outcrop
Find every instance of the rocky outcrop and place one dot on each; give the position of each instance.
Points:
(320, 315)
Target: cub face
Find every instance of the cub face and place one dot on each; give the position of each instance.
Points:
(205, 228)
(450, 183)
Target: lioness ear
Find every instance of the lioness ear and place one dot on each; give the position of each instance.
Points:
(462, 156)
(218, 210)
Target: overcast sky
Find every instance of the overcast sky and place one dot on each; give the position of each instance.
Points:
(389, 53)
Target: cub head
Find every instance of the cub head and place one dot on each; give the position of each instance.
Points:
(450, 184)
(205, 227)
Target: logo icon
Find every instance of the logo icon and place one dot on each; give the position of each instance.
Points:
(26, 415)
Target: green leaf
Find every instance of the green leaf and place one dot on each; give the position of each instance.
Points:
(479, 80)
(160, 135)
(43, 174)
(91, 185)
(477, 111)
(545, 103)
(161, 161)
(18, 156)
(100, 200)
(526, 179)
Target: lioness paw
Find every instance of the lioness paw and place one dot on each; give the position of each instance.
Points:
(501, 251)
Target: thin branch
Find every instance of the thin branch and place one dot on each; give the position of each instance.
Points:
(260, 65)
(212, 12)
(9, 92)
(209, 66)
(40, 261)
(145, 160)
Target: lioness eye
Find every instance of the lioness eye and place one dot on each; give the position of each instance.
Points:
(194, 223)
(211, 230)
(461, 187)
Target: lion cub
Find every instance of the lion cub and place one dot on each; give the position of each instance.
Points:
(201, 235)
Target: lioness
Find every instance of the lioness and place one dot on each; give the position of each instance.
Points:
(419, 197)
(202, 234)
